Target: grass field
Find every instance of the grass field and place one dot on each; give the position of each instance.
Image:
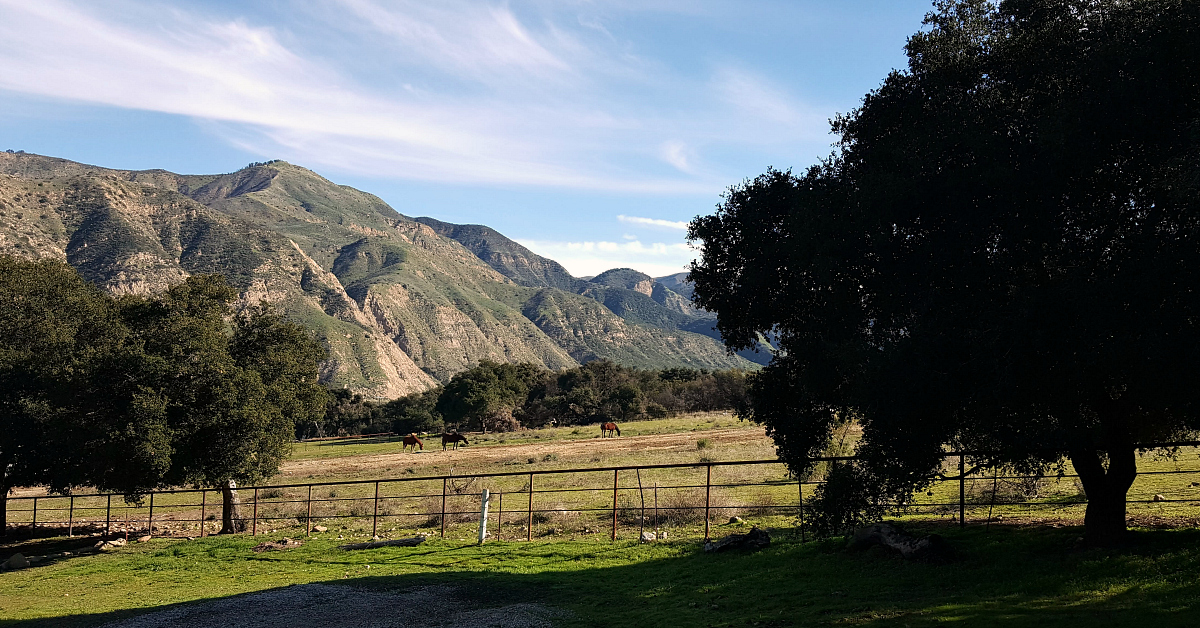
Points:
(572, 505)
(1022, 568)
(1002, 576)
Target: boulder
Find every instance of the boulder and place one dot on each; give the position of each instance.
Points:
(281, 544)
(320, 529)
(144, 539)
(16, 561)
(1159, 498)
(891, 537)
(735, 520)
(648, 537)
(409, 542)
(753, 540)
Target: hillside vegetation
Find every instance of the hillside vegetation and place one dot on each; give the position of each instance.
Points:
(401, 304)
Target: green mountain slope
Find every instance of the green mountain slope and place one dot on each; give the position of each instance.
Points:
(400, 303)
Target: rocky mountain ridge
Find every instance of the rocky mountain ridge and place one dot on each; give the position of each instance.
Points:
(401, 303)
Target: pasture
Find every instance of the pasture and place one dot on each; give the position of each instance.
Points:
(1005, 575)
(1008, 570)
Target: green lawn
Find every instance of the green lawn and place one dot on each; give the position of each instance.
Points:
(1007, 576)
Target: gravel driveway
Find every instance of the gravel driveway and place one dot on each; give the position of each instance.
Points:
(313, 605)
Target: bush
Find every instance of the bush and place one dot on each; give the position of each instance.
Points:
(703, 443)
(850, 497)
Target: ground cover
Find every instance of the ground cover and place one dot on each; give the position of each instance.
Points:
(571, 505)
(1001, 575)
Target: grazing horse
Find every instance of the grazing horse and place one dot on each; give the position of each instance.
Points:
(453, 438)
(412, 441)
(608, 429)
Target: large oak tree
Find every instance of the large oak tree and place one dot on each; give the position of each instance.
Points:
(1003, 255)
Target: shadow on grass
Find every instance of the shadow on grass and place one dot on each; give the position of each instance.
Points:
(1005, 576)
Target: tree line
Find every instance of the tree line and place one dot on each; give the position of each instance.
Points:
(495, 396)
(133, 393)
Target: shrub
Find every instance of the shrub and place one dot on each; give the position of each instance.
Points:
(849, 497)
(703, 443)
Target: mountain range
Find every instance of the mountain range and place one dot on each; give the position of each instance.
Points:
(402, 303)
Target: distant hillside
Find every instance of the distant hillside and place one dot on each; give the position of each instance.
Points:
(400, 303)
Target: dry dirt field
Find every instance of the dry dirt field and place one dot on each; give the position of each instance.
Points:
(731, 443)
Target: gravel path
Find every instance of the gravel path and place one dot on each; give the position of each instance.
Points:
(319, 605)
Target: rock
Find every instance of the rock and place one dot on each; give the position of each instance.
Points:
(886, 535)
(662, 534)
(409, 542)
(753, 540)
(143, 539)
(320, 529)
(108, 545)
(648, 537)
(281, 544)
(16, 561)
(1159, 498)
(736, 520)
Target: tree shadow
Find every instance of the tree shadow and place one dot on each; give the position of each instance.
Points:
(1002, 576)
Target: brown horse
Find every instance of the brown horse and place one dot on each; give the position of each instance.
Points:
(608, 428)
(453, 438)
(412, 441)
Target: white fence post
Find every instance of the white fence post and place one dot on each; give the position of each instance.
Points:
(483, 515)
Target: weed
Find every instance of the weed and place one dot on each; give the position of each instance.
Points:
(550, 458)
(703, 443)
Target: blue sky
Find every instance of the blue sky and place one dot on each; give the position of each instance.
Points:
(590, 131)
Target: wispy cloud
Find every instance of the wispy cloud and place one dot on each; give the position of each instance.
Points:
(452, 91)
(592, 258)
(653, 222)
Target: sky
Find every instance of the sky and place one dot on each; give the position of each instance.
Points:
(590, 131)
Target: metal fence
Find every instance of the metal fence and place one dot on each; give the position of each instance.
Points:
(687, 499)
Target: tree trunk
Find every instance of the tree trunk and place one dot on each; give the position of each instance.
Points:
(231, 510)
(3, 510)
(1104, 522)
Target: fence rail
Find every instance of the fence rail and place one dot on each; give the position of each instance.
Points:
(685, 497)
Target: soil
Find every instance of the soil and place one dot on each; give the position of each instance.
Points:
(319, 605)
(369, 464)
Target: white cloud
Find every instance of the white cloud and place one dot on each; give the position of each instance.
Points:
(449, 91)
(592, 258)
(653, 222)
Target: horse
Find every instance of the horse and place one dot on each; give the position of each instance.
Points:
(412, 441)
(609, 428)
(455, 438)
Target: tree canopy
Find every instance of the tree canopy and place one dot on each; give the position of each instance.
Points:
(1001, 256)
(135, 393)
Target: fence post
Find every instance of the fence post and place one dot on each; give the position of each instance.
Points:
(254, 517)
(108, 516)
(614, 530)
(71, 517)
(483, 515)
(203, 508)
(375, 517)
(443, 518)
(34, 524)
(962, 490)
(656, 522)
(308, 519)
(707, 493)
(801, 485)
(529, 521)
(499, 514)
(150, 518)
